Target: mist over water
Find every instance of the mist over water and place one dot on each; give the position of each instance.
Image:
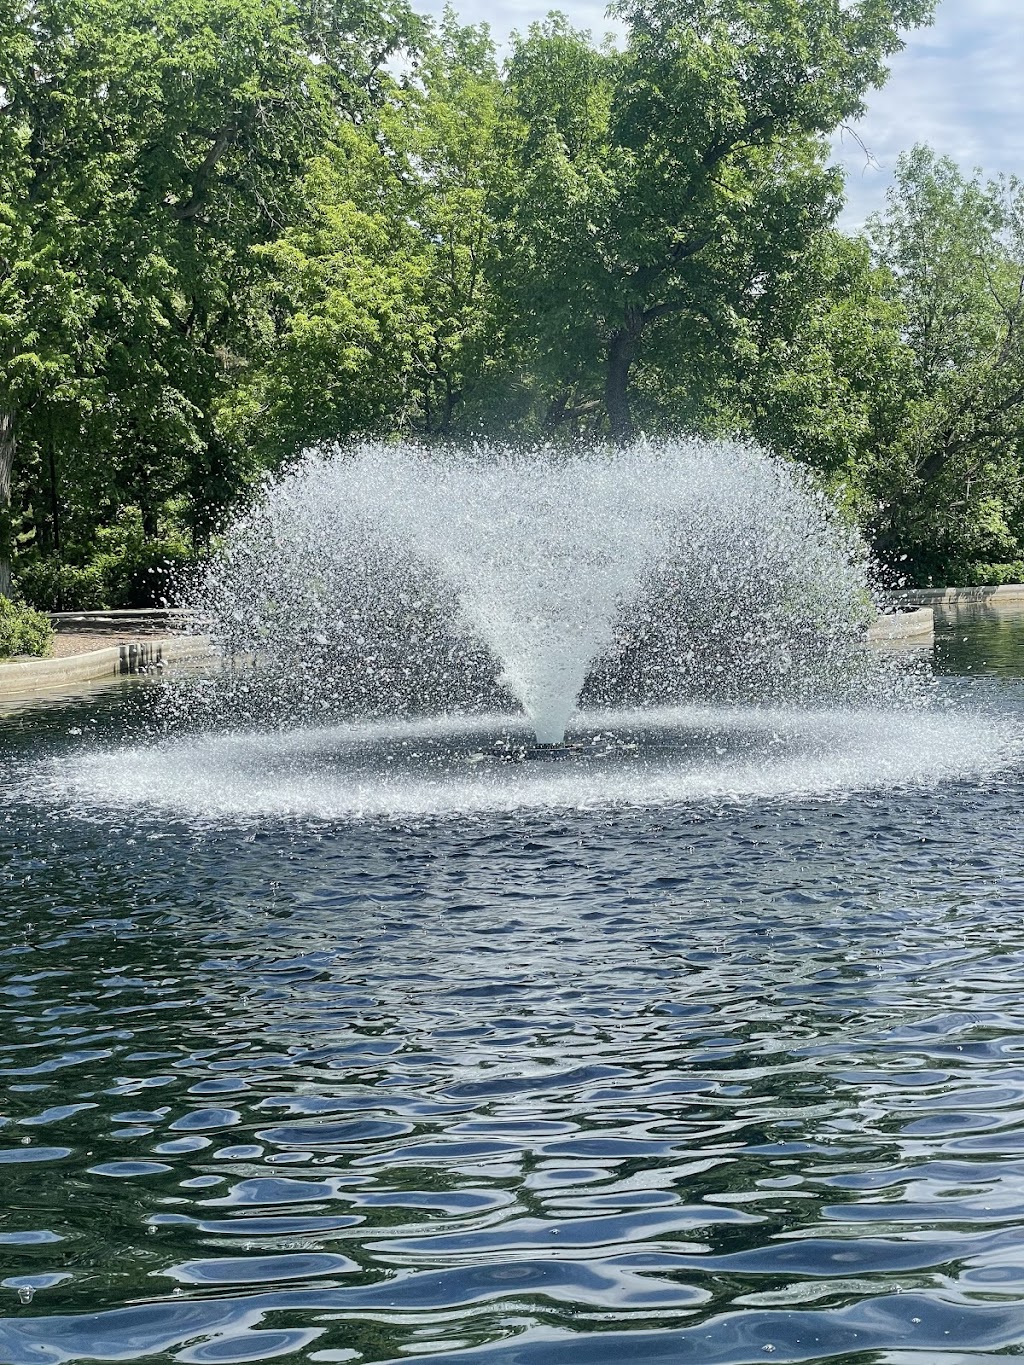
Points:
(627, 759)
(388, 581)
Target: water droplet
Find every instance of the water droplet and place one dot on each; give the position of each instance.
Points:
(26, 1293)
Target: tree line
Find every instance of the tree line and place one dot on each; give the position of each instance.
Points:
(232, 229)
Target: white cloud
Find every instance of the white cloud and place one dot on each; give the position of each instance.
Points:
(958, 86)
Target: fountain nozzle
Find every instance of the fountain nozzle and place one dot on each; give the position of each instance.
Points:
(560, 749)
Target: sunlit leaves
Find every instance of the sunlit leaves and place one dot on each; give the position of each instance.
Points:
(953, 486)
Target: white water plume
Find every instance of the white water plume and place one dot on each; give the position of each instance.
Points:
(386, 580)
(708, 757)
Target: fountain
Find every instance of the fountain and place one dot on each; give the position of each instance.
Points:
(333, 1032)
(388, 581)
(400, 630)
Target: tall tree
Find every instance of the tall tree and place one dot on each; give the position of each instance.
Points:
(379, 317)
(951, 486)
(640, 170)
(145, 148)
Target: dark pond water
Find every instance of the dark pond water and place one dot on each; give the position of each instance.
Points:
(730, 1072)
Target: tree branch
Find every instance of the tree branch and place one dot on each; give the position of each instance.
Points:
(222, 140)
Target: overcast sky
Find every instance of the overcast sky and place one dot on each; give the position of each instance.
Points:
(958, 85)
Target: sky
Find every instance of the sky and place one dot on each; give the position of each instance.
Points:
(958, 85)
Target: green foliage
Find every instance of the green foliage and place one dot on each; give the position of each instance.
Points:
(949, 485)
(146, 151)
(53, 585)
(123, 569)
(231, 229)
(379, 316)
(655, 187)
(23, 631)
(989, 575)
(107, 582)
(140, 577)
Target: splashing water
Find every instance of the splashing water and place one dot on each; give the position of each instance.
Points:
(711, 757)
(395, 623)
(388, 581)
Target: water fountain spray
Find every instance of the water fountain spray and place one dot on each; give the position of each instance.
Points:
(381, 581)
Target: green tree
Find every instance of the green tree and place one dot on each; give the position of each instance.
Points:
(951, 484)
(828, 377)
(640, 173)
(379, 318)
(146, 149)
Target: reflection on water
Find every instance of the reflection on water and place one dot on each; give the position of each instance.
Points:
(978, 639)
(716, 1081)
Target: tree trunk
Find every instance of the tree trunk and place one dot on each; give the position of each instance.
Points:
(54, 500)
(621, 350)
(6, 520)
(555, 415)
(149, 517)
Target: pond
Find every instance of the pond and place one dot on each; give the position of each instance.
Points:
(721, 1071)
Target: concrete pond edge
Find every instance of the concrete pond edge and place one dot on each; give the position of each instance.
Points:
(147, 648)
(914, 620)
(914, 626)
(952, 597)
(20, 676)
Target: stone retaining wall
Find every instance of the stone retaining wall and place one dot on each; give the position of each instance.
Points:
(30, 675)
(913, 626)
(952, 597)
(38, 675)
(143, 621)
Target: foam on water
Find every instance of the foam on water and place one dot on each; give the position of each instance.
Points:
(448, 766)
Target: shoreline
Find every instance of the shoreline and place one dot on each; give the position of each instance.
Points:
(95, 646)
(84, 662)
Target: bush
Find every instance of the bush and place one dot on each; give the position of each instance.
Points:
(141, 575)
(127, 576)
(23, 631)
(55, 586)
(989, 575)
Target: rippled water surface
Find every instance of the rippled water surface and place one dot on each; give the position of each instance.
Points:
(708, 1050)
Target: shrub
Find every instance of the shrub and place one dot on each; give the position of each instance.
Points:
(990, 575)
(141, 575)
(56, 586)
(131, 575)
(22, 630)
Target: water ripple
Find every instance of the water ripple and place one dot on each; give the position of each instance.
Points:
(714, 1081)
